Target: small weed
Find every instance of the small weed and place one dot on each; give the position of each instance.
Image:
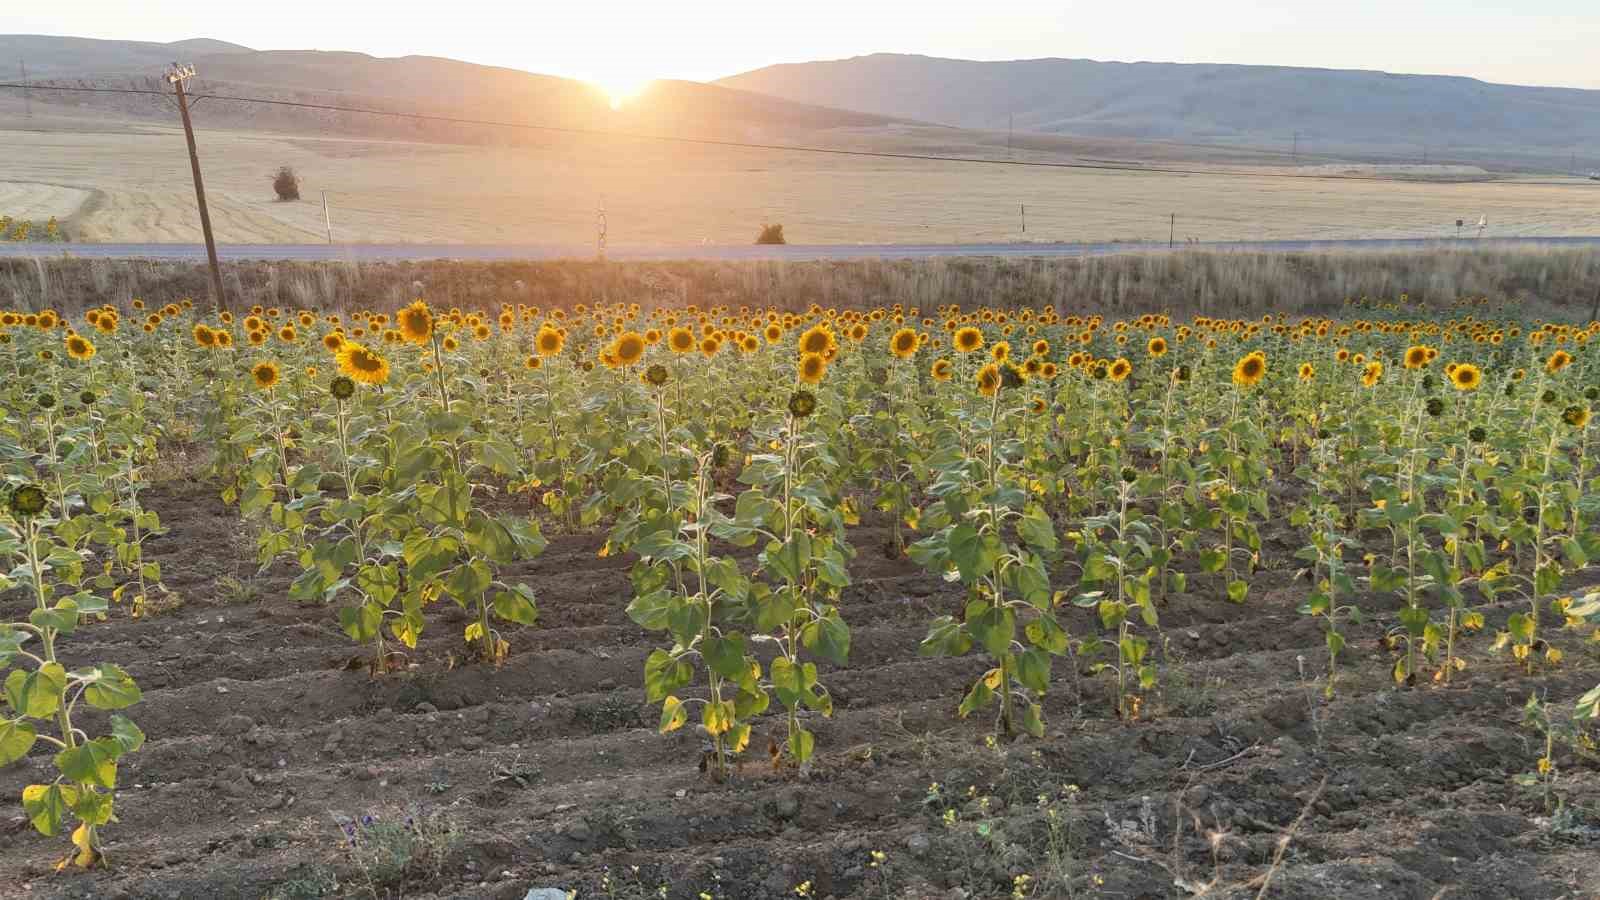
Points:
(232, 591)
(614, 713)
(398, 850)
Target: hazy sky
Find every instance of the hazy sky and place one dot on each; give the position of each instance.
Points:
(618, 42)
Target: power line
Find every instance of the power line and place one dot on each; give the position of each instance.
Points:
(741, 145)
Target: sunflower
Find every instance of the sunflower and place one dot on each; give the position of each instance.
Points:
(416, 322)
(680, 340)
(1576, 416)
(532, 363)
(709, 345)
(811, 368)
(1048, 371)
(204, 336)
(1466, 377)
(79, 347)
(1250, 369)
(481, 332)
(549, 340)
(967, 339)
(27, 501)
(802, 404)
(1343, 355)
(941, 370)
(287, 334)
(989, 380)
(333, 340)
(629, 348)
(224, 339)
(1000, 351)
(1119, 370)
(903, 343)
(361, 364)
(1157, 346)
(265, 374)
(1307, 372)
(817, 339)
(1558, 360)
(1416, 357)
(749, 343)
(773, 333)
(1372, 374)
(656, 375)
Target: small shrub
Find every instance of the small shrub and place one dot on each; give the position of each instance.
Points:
(287, 184)
(771, 234)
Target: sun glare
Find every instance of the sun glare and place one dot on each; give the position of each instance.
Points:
(622, 91)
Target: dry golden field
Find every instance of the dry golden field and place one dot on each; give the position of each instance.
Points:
(131, 183)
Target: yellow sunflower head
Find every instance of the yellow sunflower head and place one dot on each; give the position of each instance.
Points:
(361, 364)
(1119, 370)
(1307, 372)
(1558, 360)
(629, 348)
(903, 343)
(265, 375)
(967, 339)
(811, 368)
(79, 347)
(416, 322)
(1157, 346)
(1416, 357)
(988, 380)
(941, 370)
(1466, 377)
(680, 340)
(1249, 370)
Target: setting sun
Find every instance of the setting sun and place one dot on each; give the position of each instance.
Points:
(621, 91)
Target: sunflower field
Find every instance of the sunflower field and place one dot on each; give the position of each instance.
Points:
(1420, 488)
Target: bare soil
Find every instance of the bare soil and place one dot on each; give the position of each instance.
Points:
(263, 736)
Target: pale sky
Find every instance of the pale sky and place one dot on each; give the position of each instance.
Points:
(618, 43)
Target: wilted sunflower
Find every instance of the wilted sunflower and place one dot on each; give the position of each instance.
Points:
(941, 370)
(903, 343)
(265, 374)
(1119, 370)
(1435, 407)
(1250, 369)
(416, 322)
(27, 501)
(1558, 360)
(811, 368)
(989, 380)
(1466, 377)
(1181, 374)
(680, 340)
(802, 404)
(46, 401)
(656, 375)
(1576, 416)
(1157, 346)
(967, 339)
(87, 398)
(1477, 434)
(79, 347)
(629, 348)
(361, 364)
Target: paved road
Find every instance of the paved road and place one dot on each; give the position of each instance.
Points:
(791, 252)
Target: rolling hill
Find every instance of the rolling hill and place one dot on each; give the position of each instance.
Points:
(1344, 112)
(428, 85)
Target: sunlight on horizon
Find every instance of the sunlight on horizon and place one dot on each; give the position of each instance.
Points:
(622, 91)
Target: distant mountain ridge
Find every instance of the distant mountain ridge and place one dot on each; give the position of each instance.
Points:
(1331, 109)
(420, 84)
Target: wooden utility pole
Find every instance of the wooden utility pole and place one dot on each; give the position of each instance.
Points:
(1172, 229)
(326, 222)
(176, 76)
